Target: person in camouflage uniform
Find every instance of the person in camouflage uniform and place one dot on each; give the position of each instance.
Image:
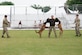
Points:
(5, 25)
(77, 25)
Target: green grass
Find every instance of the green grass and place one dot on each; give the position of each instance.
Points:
(27, 42)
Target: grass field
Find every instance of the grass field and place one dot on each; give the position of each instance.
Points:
(27, 42)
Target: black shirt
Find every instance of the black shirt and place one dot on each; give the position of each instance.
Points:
(52, 21)
(20, 22)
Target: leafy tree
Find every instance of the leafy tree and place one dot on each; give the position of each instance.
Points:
(71, 2)
(6, 3)
(46, 9)
(43, 9)
(74, 5)
(36, 6)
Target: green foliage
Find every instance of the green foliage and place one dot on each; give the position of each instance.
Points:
(71, 2)
(6, 3)
(46, 9)
(36, 6)
(74, 5)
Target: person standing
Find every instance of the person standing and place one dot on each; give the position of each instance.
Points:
(5, 25)
(77, 25)
(52, 25)
(20, 24)
(40, 24)
(35, 24)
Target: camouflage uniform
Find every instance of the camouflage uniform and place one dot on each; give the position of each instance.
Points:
(5, 25)
(77, 26)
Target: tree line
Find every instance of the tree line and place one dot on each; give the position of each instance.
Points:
(6, 3)
(74, 5)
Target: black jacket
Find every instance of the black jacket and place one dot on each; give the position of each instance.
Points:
(52, 21)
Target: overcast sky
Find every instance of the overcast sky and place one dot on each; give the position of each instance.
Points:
(40, 2)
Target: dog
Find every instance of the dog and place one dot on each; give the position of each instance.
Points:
(41, 30)
(61, 29)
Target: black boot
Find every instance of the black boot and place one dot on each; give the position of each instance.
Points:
(79, 35)
(8, 36)
(3, 36)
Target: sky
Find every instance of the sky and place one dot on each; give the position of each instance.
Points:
(37, 2)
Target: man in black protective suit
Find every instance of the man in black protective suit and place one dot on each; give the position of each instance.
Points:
(52, 25)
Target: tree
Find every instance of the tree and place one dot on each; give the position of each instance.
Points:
(46, 9)
(74, 5)
(36, 6)
(43, 9)
(71, 2)
(6, 3)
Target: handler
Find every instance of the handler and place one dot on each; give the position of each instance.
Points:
(52, 25)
